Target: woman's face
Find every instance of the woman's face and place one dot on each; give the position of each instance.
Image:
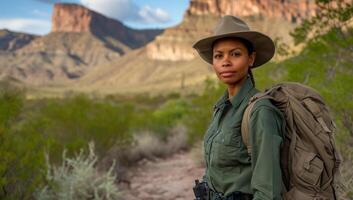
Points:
(231, 61)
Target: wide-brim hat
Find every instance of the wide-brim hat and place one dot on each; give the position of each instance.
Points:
(230, 26)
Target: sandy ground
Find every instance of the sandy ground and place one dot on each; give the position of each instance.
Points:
(163, 179)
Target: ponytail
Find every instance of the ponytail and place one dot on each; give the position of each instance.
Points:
(251, 76)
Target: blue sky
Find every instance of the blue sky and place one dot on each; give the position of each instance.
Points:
(34, 16)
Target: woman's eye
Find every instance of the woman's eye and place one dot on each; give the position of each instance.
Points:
(217, 56)
(235, 54)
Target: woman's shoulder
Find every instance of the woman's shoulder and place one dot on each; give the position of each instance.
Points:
(265, 107)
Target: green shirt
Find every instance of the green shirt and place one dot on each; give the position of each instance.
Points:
(229, 168)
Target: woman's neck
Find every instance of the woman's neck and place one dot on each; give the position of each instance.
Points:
(233, 89)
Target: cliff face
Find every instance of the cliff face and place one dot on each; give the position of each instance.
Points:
(76, 18)
(273, 17)
(71, 18)
(175, 43)
(289, 10)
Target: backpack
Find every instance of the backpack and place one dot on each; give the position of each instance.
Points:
(309, 158)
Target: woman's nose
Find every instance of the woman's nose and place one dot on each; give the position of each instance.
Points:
(225, 61)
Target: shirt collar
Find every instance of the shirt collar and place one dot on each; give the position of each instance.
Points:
(236, 100)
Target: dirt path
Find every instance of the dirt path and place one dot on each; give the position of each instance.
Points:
(164, 179)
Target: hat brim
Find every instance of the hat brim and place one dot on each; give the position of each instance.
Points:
(262, 44)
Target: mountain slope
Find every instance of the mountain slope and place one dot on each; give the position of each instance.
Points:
(11, 41)
(80, 39)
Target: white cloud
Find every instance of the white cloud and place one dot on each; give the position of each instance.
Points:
(128, 11)
(34, 26)
(119, 9)
(154, 15)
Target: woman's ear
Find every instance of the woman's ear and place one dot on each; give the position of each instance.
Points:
(252, 58)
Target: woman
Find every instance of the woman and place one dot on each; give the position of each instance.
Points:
(231, 173)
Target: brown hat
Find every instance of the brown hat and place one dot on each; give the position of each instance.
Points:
(230, 26)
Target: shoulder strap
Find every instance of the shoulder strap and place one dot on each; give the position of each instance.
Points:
(245, 123)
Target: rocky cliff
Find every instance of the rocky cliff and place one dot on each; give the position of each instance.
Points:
(273, 17)
(76, 18)
(175, 43)
(289, 10)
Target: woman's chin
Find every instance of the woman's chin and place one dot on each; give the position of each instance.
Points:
(231, 81)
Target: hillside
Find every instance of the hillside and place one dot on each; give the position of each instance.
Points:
(170, 64)
(79, 40)
(11, 41)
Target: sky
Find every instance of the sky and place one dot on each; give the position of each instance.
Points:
(34, 16)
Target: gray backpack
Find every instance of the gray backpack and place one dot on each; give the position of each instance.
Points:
(309, 158)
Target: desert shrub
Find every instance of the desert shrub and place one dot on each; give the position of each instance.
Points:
(11, 103)
(71, 123)
(149, 145)
(78, 178)
(21, 155)
(160, 120)
(30, 128)
(167, 116)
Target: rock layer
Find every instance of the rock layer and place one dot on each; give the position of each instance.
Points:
(289, 10)
(76, 18)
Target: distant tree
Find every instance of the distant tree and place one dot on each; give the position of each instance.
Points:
(331, 14)
(282, 48)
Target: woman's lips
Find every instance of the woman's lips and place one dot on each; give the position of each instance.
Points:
(227, 74)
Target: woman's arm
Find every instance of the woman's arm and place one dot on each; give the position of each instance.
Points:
(266, 128)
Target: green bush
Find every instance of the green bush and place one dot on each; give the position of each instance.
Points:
(71, 123)
(162, 119)
(21, 155)
(167, 116)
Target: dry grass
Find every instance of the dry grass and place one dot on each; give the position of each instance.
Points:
(149, 146)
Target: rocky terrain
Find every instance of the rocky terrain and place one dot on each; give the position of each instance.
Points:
(11, 41)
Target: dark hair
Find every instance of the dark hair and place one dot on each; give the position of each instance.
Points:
(249, 48)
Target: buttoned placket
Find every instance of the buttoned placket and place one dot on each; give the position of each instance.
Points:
(219, 114)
